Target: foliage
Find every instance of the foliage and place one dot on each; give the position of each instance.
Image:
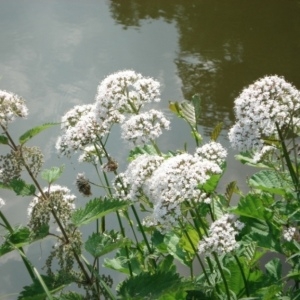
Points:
(168, 207)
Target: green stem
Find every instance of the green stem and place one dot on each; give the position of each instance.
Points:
(195, 252)
(222, 275)
(243, 275)
(143, 233)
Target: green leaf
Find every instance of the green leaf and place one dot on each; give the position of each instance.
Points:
(150, 286)
(185, 242)
(216, 131)
(184, 110)
(173, 243)
(35, 291)
(34, 131)
(211, 184)
(70, 296)
(247, 159)
(101, 244)
(21, 188)
(255, 206)
(21, 236)
(270, 181)
(273, 269)
(197, 106)
(51, 175)
(264, 234)
(3, 140)
(120, 262)
(96, 209)
(146, 149)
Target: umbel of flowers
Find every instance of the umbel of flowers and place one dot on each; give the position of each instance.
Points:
(168, 206)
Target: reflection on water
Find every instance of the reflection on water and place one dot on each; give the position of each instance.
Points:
(54, 53)
(224, 45)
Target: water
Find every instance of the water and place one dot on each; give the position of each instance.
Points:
(54, 54)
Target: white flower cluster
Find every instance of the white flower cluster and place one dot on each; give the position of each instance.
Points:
(2, 202)
(58, 199)
(289, 233)
(268, 100)
(80, 130)
(221, 238)
(130, 184)
(212, 151)
(177, 180)
(144, 127)
(11, 106)
(119, 94)
(125, 91)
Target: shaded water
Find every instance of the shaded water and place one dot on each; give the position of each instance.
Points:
(54, 53)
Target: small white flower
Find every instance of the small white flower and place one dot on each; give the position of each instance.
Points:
(289, 233)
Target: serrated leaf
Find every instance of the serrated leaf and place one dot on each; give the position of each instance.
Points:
(263, 233)
(270, 181)
(216, 131)
(21, 188)
(34, 131)
(255, 206)
(70, 296)
(96, 209)
(3, 140)
(101, 244)
(35, 291)
(274, 270)
(150, 286)
(51, 175)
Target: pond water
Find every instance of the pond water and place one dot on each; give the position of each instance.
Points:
(54, 54)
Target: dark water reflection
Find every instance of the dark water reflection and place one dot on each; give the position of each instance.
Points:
(224, 45)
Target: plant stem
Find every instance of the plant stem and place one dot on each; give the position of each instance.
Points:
(243, 275)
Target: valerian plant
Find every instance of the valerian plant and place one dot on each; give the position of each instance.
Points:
(168, 205)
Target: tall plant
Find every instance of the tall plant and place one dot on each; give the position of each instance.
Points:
(167, 205)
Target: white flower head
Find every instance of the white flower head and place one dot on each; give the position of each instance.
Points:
(221, 238)
(80, 130)
(268, 100)
(124, 92)
(212, 151)
(11, 106)
(130, 184)
(144, 127)
(177, 180)
(289, 233)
